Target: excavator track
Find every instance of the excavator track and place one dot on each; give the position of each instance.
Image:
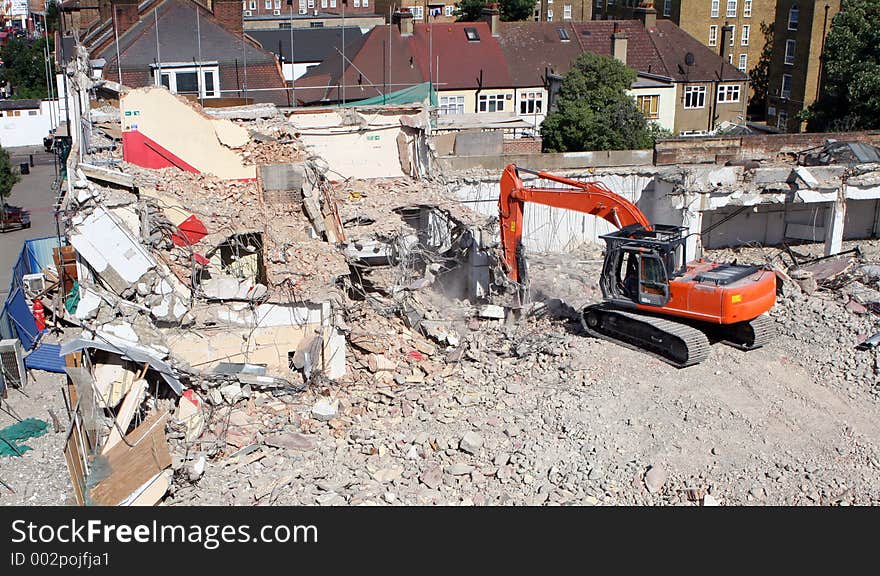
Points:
(677, 344)
(748, 335)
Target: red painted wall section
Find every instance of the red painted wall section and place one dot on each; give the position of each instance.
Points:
(143, 151)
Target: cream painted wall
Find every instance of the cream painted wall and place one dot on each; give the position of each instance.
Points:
(667, 103)
(181, 129)
(470, 96)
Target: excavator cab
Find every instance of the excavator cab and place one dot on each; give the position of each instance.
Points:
(639, 264)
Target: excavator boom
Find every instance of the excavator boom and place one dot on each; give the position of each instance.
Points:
(587, 197)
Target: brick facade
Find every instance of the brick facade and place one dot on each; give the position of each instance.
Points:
(754, 147)
(522, 146)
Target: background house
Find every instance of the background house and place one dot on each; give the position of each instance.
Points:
(309, 47)
(188, 49)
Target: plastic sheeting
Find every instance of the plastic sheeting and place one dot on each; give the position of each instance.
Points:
(414, 94)
(22, 319)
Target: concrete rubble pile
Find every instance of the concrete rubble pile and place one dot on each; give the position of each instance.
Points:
(205, 306)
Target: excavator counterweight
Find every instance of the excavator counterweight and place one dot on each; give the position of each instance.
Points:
(655, 300)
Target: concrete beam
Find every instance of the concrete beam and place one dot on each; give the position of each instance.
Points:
(834, 226)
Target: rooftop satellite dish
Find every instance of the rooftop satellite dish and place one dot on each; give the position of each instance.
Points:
(689, 58)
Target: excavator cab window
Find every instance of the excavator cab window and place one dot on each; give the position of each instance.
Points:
(653, 280)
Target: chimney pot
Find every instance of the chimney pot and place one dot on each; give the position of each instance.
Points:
(619, 43)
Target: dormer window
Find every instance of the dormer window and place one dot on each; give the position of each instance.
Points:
(563, 34)
(472, 34)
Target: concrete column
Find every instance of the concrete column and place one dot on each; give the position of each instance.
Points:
(693, 219)
(834, 225)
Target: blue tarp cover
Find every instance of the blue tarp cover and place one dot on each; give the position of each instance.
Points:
(22, 319)
(46, 357)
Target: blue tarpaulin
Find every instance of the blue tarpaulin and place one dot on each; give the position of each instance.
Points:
(22, 318)
(46, 357)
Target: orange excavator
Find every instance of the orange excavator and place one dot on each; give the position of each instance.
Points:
(655, 300)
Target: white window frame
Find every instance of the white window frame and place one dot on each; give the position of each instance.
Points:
(729, 93)
(653, 98)
(365, 3)
(277, 4)
(713, 35)
(746, 33)
(697, 97)
(451, 105)
(449, 10)
(253, 5)
(566, 12)
(200, 71)
(549, 15)
(743, 62)
(268, 4)
(796, 12)
(731, 8)
(716, 7)
(790, 52)
(357, 3)
(747, 8)
(333, 3)
(667, 7)
(732, 35)
(323, 3)
(311, 4)
(418, 12)
(783, 93)
(534, 102)
(302, 6)
(485, 100)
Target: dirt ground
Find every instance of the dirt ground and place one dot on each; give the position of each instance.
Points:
(534, 413)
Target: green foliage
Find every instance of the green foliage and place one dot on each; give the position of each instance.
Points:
(850, 98)
(512, 10)
(594, 112)
(760, 75)
(9, 176)
(24, 67)
(53, 13)
(469, 10)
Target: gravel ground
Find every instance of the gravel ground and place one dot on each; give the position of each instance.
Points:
(535, 413)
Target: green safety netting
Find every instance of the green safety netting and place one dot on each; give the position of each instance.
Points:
(30, 428)
(418, 93)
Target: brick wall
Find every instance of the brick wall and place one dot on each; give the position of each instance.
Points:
(523, 146)
(755, 147)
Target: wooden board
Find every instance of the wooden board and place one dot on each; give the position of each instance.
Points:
(130, 467)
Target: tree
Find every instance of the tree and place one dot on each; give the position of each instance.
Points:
(594, 112)
(25, 67)
(469, 10)
(850, 98)
(512, 10)
(760, 75)
(8, 175)
(53, 14)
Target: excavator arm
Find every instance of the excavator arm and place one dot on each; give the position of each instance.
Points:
(587, 197)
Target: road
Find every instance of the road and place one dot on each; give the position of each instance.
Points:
(33, 192)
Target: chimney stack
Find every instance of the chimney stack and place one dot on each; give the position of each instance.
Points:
(619, 44)
(492, 16)
(404, 20)
(646, 13)
(125, 13)
(726, 33)
(229, 14)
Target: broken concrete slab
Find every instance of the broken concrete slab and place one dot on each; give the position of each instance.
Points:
(118, 258)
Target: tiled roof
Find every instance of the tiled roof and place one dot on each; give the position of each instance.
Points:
(462, 62)
(533, 48)
(178, 41)
(310, 44)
